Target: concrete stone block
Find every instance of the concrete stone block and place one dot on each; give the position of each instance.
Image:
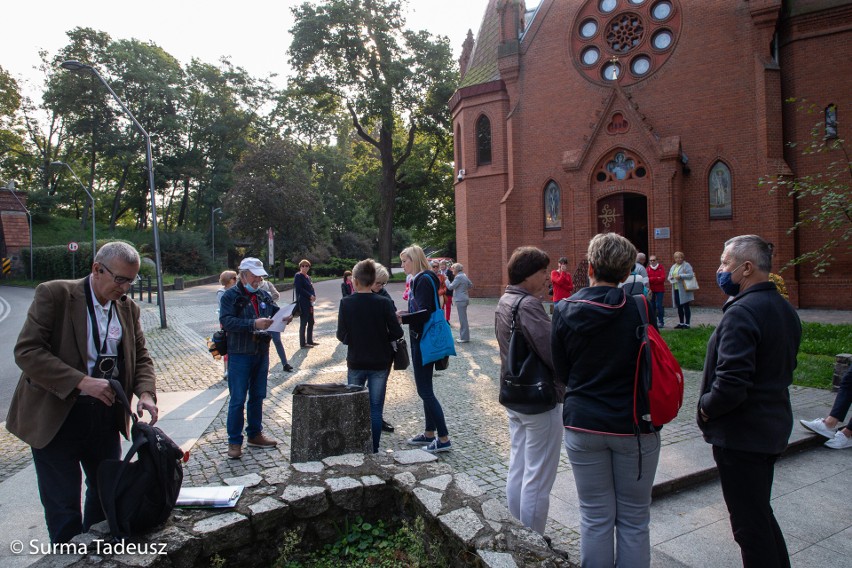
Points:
(346, 492)
(410, 457)
(494, 510)
(306, 501)
(267, 513)
(309, 467)
(405, 479)
(329, 420)
(493, 559)
(464, 523)
(223, 531)
(429, 499)
(441, 482)
(468, 485)
(351, 460)
(248, 480)
(277, 475)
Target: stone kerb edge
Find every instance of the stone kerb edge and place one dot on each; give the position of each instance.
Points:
(313, 503)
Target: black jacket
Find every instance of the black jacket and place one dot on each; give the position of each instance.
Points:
(367, 324)
(749, 365)
(595, 345)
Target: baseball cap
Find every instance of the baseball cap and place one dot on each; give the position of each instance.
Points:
(253, 265)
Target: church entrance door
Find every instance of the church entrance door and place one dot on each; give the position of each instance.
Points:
(627, 215)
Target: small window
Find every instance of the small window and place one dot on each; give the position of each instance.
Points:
(483, 141)
(459, 152)
(719, 185)
(552, 206)
(831, 122)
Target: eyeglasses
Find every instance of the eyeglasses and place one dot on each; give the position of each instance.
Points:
(652, 260)
(121, 280)
(382, 284)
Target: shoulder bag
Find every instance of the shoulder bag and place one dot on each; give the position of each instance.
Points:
(690, 283)
(527, 380)
(401, 361)
(436, 341)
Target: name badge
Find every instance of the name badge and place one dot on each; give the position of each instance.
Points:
(114, 331)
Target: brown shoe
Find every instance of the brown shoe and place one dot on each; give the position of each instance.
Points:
(235, 451)
(261, 441)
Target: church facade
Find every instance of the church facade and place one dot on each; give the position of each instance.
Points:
(655, 119)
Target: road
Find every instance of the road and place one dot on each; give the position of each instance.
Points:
(14, 303)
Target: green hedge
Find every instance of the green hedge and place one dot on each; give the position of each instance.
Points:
(334, 267)
(57, 262)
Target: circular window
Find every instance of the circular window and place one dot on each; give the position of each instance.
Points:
(611, 71)
(661, 10)
(601, 176)
(624, 40)
(591, 55)
(640, 65)
(588, 28)
(662, 39)
(640, 172)
(608, 6)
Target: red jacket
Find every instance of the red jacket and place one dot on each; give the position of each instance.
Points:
(657, 278)
(563, 286)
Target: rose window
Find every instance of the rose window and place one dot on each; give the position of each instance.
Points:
(624, 41)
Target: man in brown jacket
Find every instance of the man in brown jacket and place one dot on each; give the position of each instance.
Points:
(76, 333)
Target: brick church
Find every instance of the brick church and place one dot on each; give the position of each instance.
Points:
(651, 118)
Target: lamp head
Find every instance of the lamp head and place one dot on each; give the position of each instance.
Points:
(74, 65)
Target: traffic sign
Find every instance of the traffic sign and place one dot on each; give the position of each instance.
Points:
(7, 265)
(73, 247)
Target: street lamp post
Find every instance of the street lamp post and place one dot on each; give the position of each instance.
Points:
(91, 198)
(213, 231)
(77, 66)
(11, 187)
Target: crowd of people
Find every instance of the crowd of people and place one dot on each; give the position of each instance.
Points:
(588, 351)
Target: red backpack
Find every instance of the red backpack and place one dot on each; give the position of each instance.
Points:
(658, 386)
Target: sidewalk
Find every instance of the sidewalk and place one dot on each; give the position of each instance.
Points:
(689, 522)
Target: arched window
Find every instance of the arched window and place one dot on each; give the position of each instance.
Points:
(552, 206)
(459, 153)
(483, 141)
(720, 188)
(831, 121)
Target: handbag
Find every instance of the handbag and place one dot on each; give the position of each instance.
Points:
(401, 361)
(436, 341)
(527, 380)
(690, 283)
(218, 344)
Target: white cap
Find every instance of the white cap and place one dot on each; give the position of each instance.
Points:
(253, 265)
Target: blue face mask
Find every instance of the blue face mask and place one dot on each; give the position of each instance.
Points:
(251, 289)
(726, 282)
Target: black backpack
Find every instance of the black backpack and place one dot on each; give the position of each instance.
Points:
(139, 495)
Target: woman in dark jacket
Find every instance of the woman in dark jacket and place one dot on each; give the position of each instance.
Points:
(422, 296)
(305, 296)
(535, 429)
(595, 348)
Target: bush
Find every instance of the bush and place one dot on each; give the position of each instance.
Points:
(184, 252)
(334, 267)
(57, 262)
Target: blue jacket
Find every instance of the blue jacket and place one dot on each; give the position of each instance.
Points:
(749, 365)
(237, 315)
(303, 290)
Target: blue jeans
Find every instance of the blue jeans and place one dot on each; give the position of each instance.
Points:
(279, 347)
(377, 382)
(247, 376)
(611, 499)
(423, 379)
(661, 310)
(843, 400)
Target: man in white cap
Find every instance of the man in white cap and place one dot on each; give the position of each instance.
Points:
(245, 313)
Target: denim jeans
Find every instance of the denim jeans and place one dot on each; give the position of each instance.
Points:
(843, 400)
(611, 499)
(661, 310)
(247, 375)
(423, 380)
(279, 347)
(536, 441)
(377, 382)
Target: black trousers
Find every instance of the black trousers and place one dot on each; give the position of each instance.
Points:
(747, 487)
(86, 438)
(306, 324)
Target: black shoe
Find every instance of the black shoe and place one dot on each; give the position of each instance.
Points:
(288, 367)
(306, 346)
(313, 343)
(386, 427)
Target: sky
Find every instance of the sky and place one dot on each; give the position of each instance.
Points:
(253, 33)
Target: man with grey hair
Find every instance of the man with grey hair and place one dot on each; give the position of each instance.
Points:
(79, 334)
(744, 408)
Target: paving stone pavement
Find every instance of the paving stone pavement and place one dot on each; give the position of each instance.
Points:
(467, 391)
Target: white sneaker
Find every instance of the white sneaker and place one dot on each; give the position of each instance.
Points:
(839, 442)
(818, 426)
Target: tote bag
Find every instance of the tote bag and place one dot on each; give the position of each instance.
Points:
(436, 341)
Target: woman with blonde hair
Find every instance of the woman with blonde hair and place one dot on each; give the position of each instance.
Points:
(422, 297)
(681, 297)
(595, 346)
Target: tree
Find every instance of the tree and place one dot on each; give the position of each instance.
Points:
(359, 52)
(272, 188)
(824, 197)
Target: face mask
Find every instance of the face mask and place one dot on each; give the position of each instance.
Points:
(726, 282)
(251, 289)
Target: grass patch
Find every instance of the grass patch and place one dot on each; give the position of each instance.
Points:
(820, 343)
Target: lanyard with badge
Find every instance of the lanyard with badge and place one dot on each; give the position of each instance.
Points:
(106, 366)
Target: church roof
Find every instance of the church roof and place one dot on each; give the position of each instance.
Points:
(483, 60)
